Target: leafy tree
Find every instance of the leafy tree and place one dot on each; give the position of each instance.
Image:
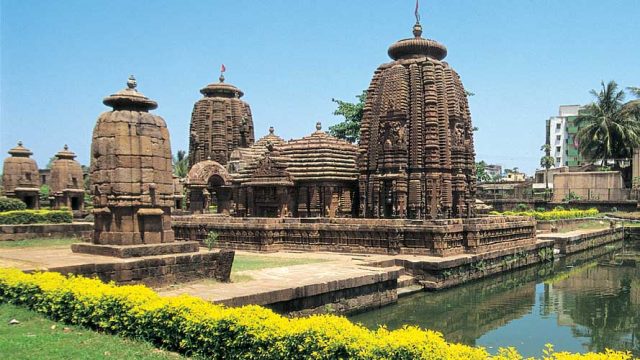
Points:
(50, 163)
(608, 130)
(481, 172)
(547, 161)
(349, 129)
(181, 164)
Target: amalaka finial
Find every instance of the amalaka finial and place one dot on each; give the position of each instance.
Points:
(318, 126)
(131, 83)
(271, 130)
(19, 142)
(66, 147)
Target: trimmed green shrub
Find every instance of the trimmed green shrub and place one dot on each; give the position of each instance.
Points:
(19, 217)
(193, 326)
(10, 204)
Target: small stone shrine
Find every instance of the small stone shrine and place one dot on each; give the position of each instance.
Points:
(416, 138)
(131, 178)
(220, 123)
(20, 177)
(67, 181)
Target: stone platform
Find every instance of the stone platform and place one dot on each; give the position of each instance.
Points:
(153, 271)
(127, 251)
(373, 236)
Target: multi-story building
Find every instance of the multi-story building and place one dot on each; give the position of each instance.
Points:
(495, 171)
(561, 137)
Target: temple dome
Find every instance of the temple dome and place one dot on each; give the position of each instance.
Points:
(321, 157)
(417, 47)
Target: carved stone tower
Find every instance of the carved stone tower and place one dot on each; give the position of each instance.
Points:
(416, 147)
(220, 123)
(130, 175)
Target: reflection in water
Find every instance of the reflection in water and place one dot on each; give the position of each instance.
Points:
(586, 302)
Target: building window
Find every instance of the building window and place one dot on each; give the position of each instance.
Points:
(558, 125)
(558, 160)
(558, 149)
(558, 137)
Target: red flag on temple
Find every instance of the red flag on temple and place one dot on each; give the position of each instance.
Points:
(222, 68)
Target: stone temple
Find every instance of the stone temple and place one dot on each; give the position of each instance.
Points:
(20, 177)
(67, 181)
(131, 172)
(220, 123)
(408, 187)
(417, 158)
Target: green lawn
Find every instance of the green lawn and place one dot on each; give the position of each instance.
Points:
(243, 262)
(38, 242)
(37, 337)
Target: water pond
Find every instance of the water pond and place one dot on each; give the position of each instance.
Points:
(585, 302)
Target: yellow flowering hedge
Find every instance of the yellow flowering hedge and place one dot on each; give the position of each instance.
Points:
(194, 327)
(17, 217)
(556, 214)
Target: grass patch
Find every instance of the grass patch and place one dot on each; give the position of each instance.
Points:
(38, 242)
(243, 262)
(589, 225)
(41, 338)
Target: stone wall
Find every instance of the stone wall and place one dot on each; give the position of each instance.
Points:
(382, 236)
(158, 270)
(31, 231)
(437, 275)
(574, 242)
(341, 296)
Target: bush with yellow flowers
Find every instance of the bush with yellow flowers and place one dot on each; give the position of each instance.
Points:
(555, 214)
(17, 217)
(194, 327)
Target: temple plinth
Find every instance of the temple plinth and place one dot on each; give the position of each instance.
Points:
(416, 147)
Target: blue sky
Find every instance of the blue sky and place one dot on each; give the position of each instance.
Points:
(522, 59)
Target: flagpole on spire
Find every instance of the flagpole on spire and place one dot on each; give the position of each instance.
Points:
(416, 13)
(417, 28)
(222, 70)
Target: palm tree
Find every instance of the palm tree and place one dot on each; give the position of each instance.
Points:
(181, 164)
(607, 131)
(546, 162)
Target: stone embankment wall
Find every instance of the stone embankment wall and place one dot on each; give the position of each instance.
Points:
(31, 231)
(572, 242)
(397, 236)
(159, 270)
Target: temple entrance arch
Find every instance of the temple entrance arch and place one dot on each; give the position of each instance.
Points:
(209, 187)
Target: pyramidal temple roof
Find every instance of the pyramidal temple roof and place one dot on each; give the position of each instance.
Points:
(321, 156)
